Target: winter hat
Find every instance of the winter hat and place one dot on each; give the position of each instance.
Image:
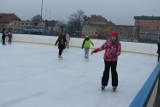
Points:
(116, 34)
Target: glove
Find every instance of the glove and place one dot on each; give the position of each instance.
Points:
(94, 51)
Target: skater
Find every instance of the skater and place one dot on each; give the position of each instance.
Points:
(61, 44)
(158, 50)
(67, 40)
(86, 46)
(9, 37)
(3, 36)
(112, 48)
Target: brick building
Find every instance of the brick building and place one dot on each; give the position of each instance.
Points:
(148, 28)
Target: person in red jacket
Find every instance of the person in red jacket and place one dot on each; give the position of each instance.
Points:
(112, 49)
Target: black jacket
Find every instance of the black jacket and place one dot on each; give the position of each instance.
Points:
(158, 44)
(61, 42)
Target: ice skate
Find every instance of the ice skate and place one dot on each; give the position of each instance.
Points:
(60, 57)
(103, 87)
(86, 60)
(114, 88)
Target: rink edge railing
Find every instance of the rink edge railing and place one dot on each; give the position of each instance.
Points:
(149, 94)
(134, 47)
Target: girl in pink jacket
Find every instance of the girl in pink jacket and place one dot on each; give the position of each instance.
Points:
(112, 49)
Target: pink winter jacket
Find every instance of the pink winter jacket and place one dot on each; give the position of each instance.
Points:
(112, 50)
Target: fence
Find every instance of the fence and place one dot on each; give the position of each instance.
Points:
(149, 95)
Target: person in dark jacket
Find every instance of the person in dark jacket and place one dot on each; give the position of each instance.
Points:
(61, 44)
(3, 36)
(9, 37)
(158, 50)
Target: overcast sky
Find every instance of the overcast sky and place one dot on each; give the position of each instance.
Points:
(117, 11)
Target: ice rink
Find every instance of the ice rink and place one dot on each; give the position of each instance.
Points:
(31, 75)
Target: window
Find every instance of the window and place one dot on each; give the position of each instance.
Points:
(141, 27)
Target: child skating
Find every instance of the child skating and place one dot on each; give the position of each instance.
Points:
(86, 45)
(112, 49)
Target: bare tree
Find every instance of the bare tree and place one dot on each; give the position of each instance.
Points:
(75, 22)
(36, 19)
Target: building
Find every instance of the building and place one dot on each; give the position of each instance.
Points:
(6, 18)
(26, 27)
(92, 23)
(148, 28)
(94, 19)
(127, 33)
(99, 27)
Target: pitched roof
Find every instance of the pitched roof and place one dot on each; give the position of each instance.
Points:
(146, 18)
(6, 18)
(97, 18)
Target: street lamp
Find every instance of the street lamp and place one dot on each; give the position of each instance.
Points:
(42, 16)
(41, 9)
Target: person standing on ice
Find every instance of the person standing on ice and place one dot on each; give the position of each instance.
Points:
(86, 45)
(3, 36)
(9, 37)
(67, 40)
(158, 50)
(112, 49)
(61, 44)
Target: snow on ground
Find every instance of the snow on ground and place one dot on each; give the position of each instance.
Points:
(31, 75)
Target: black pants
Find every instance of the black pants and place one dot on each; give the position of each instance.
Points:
(60, 51)
(105, 77)
(3, 40)
(158, 56)
(9, 40)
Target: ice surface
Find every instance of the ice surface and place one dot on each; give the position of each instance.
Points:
(31, 75)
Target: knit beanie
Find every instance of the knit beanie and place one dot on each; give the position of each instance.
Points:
(116, 34)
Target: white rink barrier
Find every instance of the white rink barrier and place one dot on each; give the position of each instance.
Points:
(143, 48)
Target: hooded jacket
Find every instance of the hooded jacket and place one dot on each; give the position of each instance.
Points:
(87, 42)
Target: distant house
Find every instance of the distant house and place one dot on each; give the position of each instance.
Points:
(6, 18)
(51, 27)
(148, 28)
(92, 24)
(147, 22)
(94, 19)
(26, 26)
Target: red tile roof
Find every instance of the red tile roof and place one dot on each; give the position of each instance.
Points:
(97, 18)
(6, 18)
